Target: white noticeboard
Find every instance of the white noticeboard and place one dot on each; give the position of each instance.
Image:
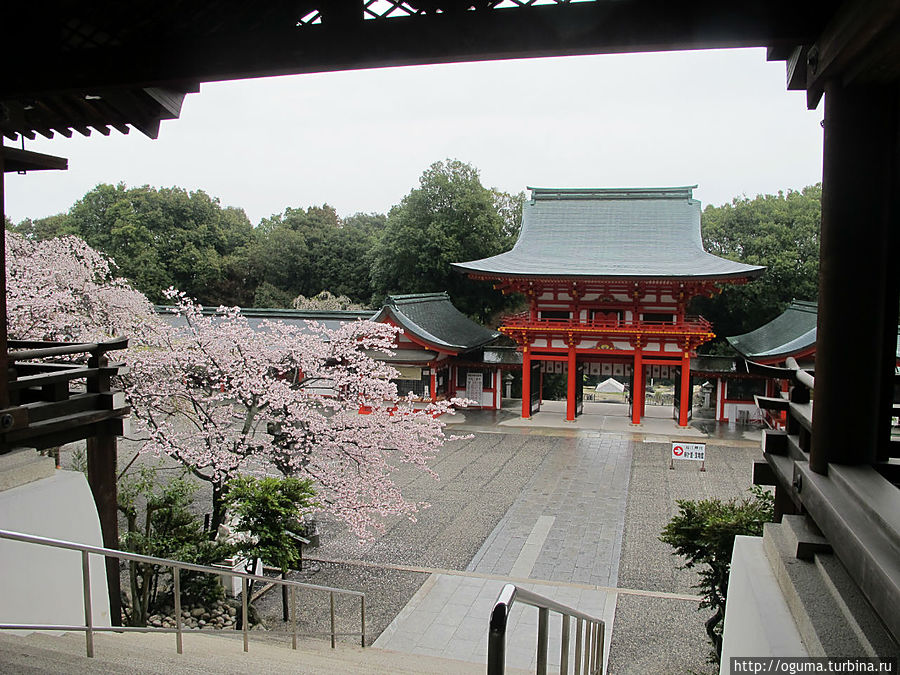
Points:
(474, 387)
(695, 451)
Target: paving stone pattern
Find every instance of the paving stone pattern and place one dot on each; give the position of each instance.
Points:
(573, 508)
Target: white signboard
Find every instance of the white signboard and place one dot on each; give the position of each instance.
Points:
(695, 451)
(474, 387)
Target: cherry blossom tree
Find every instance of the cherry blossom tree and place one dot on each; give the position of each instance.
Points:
(225, 398)
(62, 289)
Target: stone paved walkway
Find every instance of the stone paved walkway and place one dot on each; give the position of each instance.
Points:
(561, 537)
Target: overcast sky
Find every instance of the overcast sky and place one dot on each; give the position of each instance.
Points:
(360, 140)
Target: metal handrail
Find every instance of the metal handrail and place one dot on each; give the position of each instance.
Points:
(590, 634)
(89, 629)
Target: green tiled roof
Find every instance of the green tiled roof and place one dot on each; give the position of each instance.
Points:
(433, 319)
(631, 233)
(791, 332)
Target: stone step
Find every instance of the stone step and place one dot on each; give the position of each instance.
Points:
(154, 654)
(828, 608)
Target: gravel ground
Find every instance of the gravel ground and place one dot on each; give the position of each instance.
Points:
(479, 480)
(387, 591)
(662, 635)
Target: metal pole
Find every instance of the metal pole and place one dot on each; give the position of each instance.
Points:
(564, 649)
(362, 621)
(245, 591)
(577, 663)
(588, 631)
(176, 576)
(88, 611)
(331, 595)
(294, 617)
(284, 599)
(543, 618)
(602, 646)
(595, 630)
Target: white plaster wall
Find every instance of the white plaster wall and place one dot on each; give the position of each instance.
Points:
(732, 409)
(757, 619)
(39, 584)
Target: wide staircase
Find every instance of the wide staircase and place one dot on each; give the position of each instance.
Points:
(91, 647)
(141, 653)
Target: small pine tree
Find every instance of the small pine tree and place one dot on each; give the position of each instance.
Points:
(703, 533)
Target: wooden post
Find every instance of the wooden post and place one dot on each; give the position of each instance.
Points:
(857, 274)
(4, 355)
(637, 389)
(101, 461)
(686, 390)
(433, 385)
(570, 383)
(102, 475)
(526, 383)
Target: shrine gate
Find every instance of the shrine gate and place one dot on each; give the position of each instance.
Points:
(608, 274)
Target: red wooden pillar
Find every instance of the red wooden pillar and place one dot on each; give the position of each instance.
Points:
(526, 383)
(637, 393)
(644, 391)
(686, 390)
(570, 384)
(786, 389)
(434, 385)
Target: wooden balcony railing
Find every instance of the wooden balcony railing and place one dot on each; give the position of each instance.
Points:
(55, 400)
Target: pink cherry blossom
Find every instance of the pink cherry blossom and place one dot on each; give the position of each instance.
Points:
(224, 398)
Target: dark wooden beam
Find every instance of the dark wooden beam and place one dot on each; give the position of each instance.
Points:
(860, 45)
(26, 160)
(796, 69)
(159, 53)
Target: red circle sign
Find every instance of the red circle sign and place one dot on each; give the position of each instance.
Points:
(678, 451)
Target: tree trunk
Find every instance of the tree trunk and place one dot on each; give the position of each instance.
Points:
(716, 638)
(218, 508)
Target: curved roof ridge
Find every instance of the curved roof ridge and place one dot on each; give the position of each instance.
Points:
(677, 192)
(418, 297)
(619, 233)
(791, 332)
(434, 319)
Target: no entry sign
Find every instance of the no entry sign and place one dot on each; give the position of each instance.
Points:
(695, 451)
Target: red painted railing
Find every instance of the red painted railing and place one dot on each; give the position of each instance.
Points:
(524, 322)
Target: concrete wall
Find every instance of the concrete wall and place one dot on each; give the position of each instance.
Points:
(41, 584)
(757, 619)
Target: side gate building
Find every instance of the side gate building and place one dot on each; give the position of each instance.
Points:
(608, 275)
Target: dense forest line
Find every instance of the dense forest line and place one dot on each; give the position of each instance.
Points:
(171, 237)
